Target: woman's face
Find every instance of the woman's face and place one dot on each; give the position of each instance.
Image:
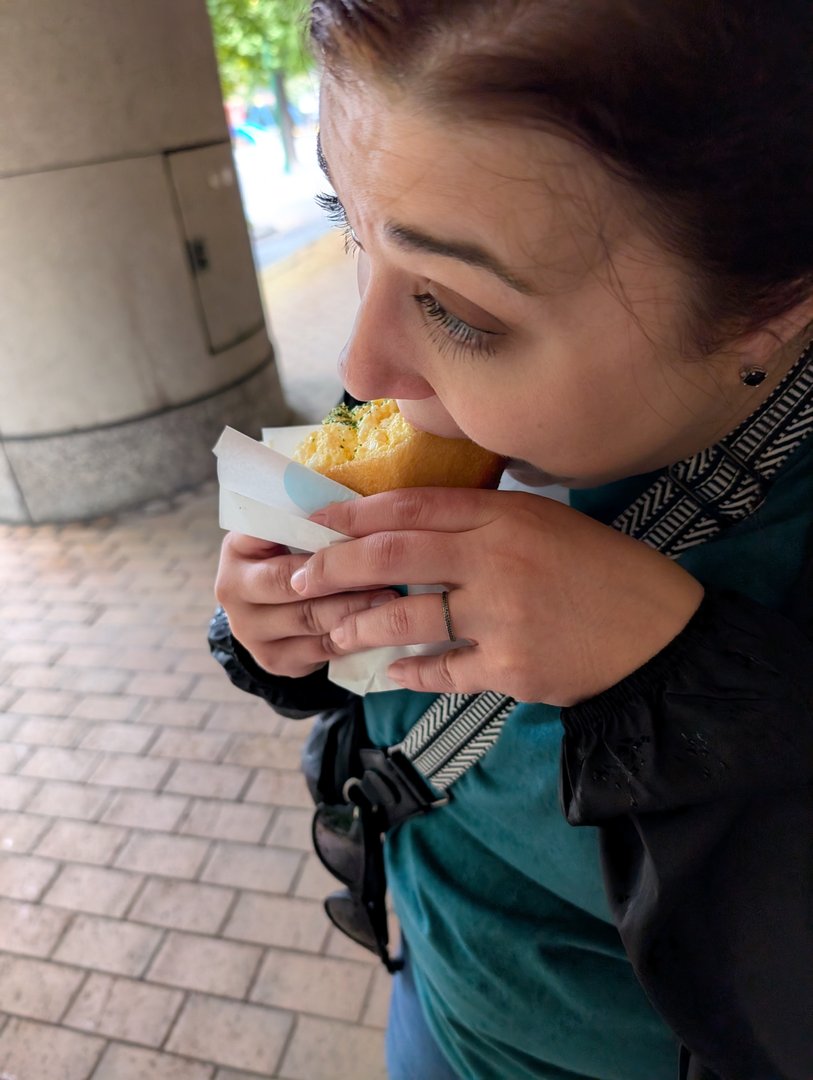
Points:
(507, 294)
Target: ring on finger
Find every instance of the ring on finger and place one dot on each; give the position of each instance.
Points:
(447, 615)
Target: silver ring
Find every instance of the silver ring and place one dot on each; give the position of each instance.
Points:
(447, 615)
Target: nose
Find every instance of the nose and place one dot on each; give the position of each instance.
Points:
(380, 357)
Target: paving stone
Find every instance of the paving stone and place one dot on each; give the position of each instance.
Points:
(45, 703)
(175, 713)
(182, 905)
(32, 652)
(312, 984)
(189, 745)
(105, 707)
(157, 853)
(110, 945)
(315, 882)
(328, 1050)
(247, 721)
(117, 737)
(50, 732)
(12, 755)
(242, 1036)
(35, 988)
(16, 791)
(36, 677)
(58, 763)
(125, 1009)
(264, 752)
(25, 877)
(159, 684)
(343, 948)
(131, 1063)
(292, 829)
(20, 832)
(219, 781)
(82, 842)
(127, 659)
(32, 1051)
(145, 810)
(206, 964)
(214, 688)
(195, 662)
(92, 889)
(29, 928)
(277, 788)
(92, 680)
(68, 800)
(278, 920)
(226, 820)
(8, 722)
(130, 771)
(247, 867)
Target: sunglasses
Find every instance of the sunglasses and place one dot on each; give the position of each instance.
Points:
(347, 840)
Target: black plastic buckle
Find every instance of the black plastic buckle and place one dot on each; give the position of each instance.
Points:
(760, 491)
(392, 786)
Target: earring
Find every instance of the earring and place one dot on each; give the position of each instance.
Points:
(753, 376)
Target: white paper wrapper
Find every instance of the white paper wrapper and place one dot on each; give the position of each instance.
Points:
(265, 494)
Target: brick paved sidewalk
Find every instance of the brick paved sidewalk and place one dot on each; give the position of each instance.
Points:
(160, 907)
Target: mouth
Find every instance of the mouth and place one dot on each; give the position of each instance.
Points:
(427, 414)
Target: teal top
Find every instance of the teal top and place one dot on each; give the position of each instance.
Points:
(518, 967)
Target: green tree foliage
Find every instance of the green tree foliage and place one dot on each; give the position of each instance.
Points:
(258, 39)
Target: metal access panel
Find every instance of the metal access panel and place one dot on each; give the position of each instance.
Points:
(217, 244)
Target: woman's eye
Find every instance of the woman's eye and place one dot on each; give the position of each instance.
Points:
(337, 215)
(456, 330)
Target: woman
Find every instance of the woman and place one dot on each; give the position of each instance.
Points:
(584, 241)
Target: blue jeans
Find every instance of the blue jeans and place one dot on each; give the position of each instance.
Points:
(412, 1053)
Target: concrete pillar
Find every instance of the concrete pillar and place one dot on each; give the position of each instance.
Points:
(131, 326)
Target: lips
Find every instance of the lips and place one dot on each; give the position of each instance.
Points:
(428, 414)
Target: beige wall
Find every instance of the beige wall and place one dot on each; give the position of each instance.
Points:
(114, 162)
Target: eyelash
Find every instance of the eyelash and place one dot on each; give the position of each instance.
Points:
(337, 215)
(456, 331)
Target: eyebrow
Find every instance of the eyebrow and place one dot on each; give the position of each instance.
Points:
(414, 240)
(472, 254)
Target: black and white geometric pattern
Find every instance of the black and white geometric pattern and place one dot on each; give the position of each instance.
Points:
(689, 503)
(698, 498)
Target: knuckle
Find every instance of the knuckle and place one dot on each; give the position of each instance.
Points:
(398, 619)
(329, 646)
(409, 505)
(444, 673)
(384, 550)
(279, 573)
(309, 611)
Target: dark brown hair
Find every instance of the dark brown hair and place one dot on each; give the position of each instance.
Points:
(704, 107)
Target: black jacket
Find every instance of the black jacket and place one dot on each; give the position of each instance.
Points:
(698, 771)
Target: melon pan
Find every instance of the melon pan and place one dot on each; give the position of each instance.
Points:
(372, 448)
(423, 460)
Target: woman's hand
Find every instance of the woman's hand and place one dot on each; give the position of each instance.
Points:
(556, 607)
(285, 634)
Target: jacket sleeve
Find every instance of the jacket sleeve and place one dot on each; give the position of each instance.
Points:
(295, 698)
(698, 770)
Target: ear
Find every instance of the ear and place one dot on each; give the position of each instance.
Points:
(778, 344)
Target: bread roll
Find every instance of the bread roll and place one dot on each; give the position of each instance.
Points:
(372, 448)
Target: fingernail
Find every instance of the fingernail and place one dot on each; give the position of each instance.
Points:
(338, 635)
(320, 517)
(298, 580)
(383, 598)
